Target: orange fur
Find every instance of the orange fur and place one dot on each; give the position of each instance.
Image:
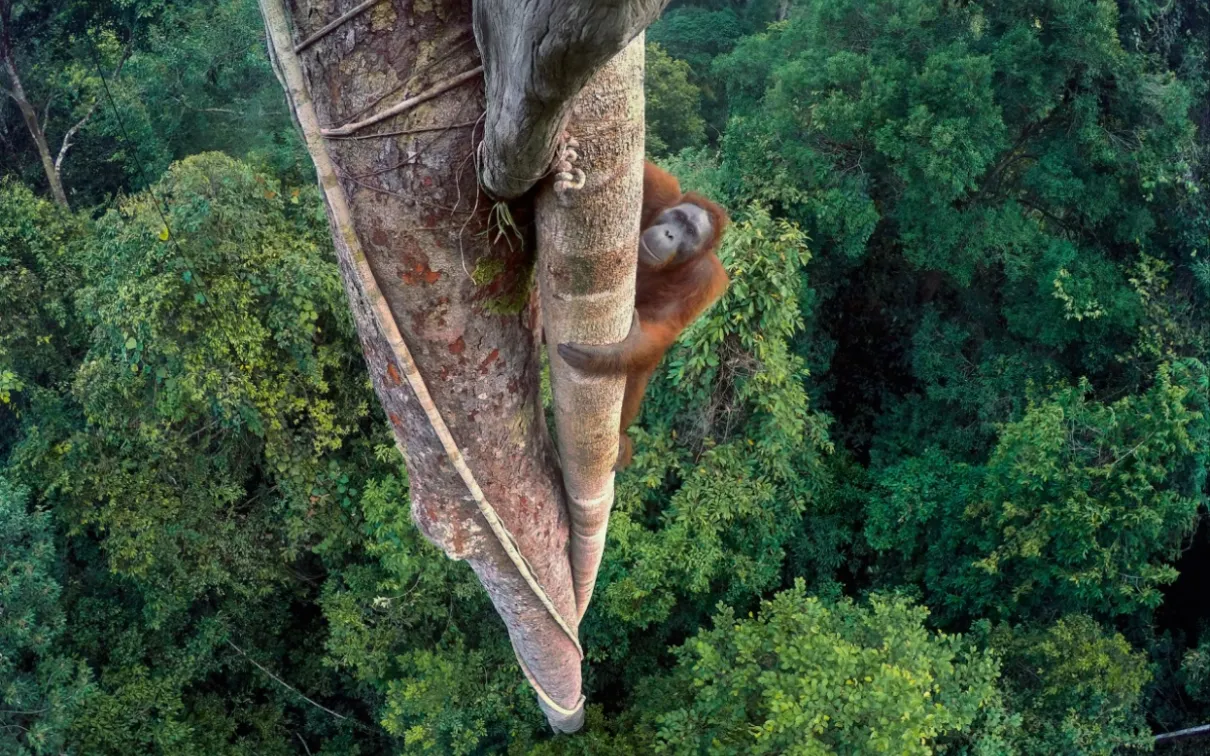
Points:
(667, 300)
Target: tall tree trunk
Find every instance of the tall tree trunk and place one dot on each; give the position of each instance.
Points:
(17, 92)
(438, 276)
(593, 230)
(422, 262)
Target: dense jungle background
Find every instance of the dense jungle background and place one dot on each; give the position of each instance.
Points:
(932, 478)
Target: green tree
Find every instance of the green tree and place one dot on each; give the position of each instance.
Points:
(1016, 158)
(185, 77)
(697, 34)
(40, 333)
(1076, 687)
(674, 119)
(205, 456)
(40, 688)
(1081, 506)
(807, 677)
(198, 80)
(222, 328)
(53, 56)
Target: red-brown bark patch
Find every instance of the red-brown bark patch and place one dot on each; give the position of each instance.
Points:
(487, 361)
(419, 272)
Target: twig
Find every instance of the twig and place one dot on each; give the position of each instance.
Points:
(1192, 732)
(458, 183)
(66, 145)
(329, 28)
(195, 109)
(63, 148)
(405, 132)
(305, 746)
(117, 70)
(399, 195)
(406, 105)
(411, 159)
(283, 683)
(46, 112)
(24, 712)
(1130, 453)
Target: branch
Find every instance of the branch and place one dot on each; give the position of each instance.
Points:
(91, 109)
(305, 746)
(404, 106)
(402, 132)
(46, 112)
(6, 49)
(117, 70)
(6, 20)
(72, 132)
(1192, 732)
(329, 28)
(187, 106)
(283, 683)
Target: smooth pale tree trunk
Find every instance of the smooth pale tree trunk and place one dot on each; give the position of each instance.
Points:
(16, 91)
(593, 229)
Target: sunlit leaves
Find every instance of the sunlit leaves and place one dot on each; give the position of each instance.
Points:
(814, 678)
(673, 104)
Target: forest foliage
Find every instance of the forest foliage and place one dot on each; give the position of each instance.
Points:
(930, 478)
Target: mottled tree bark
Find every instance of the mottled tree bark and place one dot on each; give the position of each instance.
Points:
(388, 97)
(538, 54)
(416, 219)
(587, 254)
